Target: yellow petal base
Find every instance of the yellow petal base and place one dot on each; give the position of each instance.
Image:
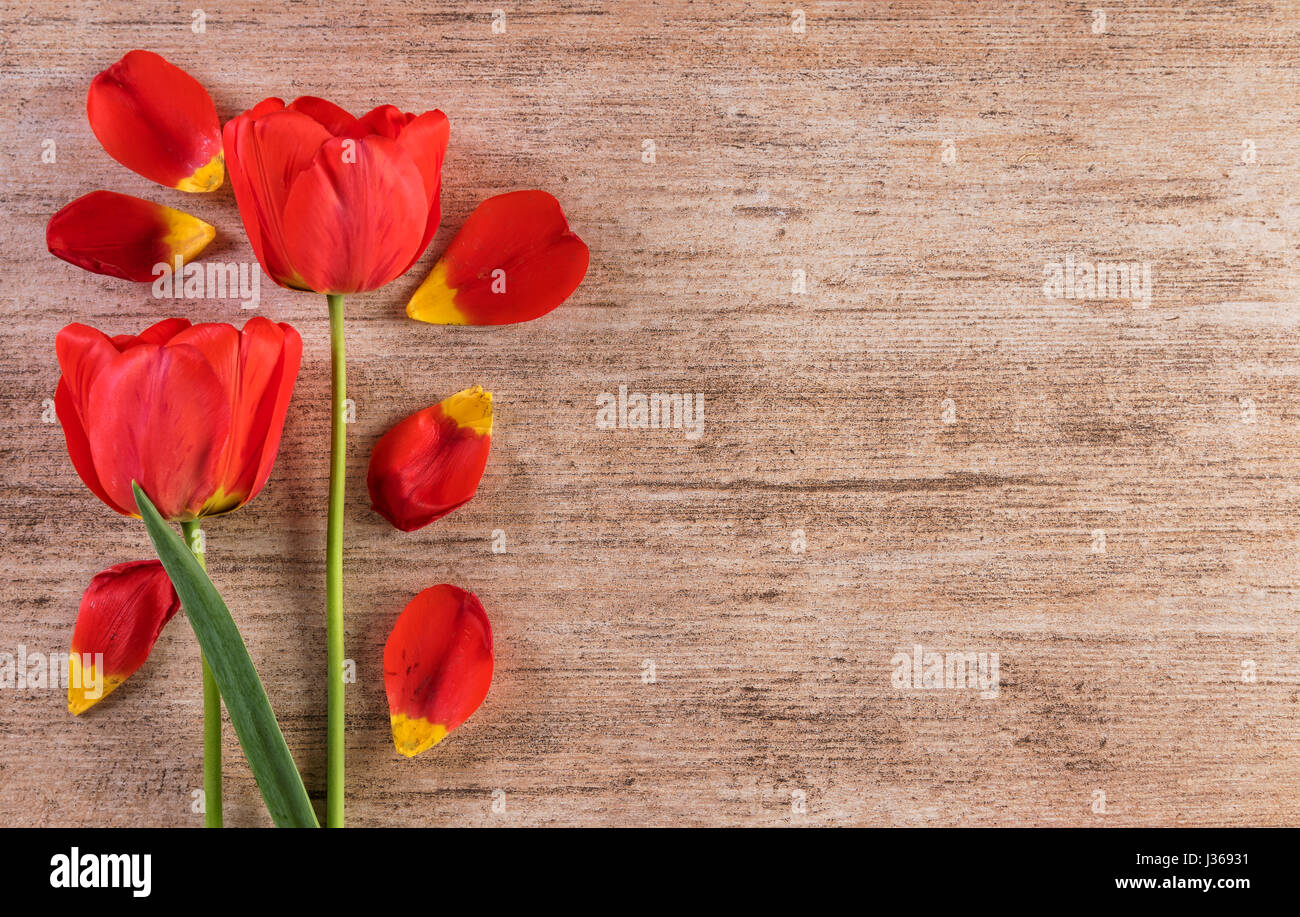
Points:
(79, 694)
(206, 178)
(434, 301)
(187, 236)
(470, 409)
(412, 735)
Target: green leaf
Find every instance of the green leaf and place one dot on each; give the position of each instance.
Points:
(241, 689)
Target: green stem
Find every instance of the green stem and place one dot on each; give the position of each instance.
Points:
(211, 706)
(334, 572)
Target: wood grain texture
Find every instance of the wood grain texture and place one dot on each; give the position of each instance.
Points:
(1121, 671)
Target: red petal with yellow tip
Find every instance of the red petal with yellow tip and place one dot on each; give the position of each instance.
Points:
(157, 120)
(431, 462)
(514, 260)
(123, 236)
(437, 666)
(122, 612)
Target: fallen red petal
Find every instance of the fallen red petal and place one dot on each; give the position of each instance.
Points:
(515, 259)
(431, 462)
(122, 612)
(157, 120)
(437, 666)
(123, 236)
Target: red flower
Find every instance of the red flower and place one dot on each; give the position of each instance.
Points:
(437, 666)
(124, 236)
(515, 259)
(333, 203)
(157, 120)
(431, 462)
(122, 612)
(193, 413)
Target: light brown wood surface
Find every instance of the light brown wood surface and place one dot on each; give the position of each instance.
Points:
(823, 152)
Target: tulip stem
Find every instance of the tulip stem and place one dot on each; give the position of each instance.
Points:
(211, 706)
(335, 747)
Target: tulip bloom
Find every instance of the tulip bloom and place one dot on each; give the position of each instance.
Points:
(514, 260)
(123, 236)
(192, 412)
(336, 204)
(437, 666)
(122, 613)
(430, 463)
(157, 120)
(333, 203)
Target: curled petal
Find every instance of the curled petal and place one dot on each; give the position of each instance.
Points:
(514, 260)
(384, 120)
(123, 236)
(161, 332)
(333, 118)
(157, 120)
(424, 139)
(122, 612)
(74, 433)
(430, 463)
(82, 352)
(437, 666)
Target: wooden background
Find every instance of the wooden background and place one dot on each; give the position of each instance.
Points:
(1122, 672)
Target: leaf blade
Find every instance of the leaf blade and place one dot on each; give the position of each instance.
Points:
(250, 710)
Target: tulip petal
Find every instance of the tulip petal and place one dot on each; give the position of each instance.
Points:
(355, 219)
(122, 613)
(82, 352)
(257, 369)
(384, 120)
(275, 405)
(333, 118)
(160, 416)
(514, 260)
(163, 331)
(123, 236)
(266, 150)
(431, 462)
(157, 120)
(424, 139)
(437, 666)
(74, 434)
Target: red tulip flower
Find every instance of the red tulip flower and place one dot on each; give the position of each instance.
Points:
(437, 666)
(192, 412)
(333, 203)
(431, 462)
(336, 205)
(122, 613)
